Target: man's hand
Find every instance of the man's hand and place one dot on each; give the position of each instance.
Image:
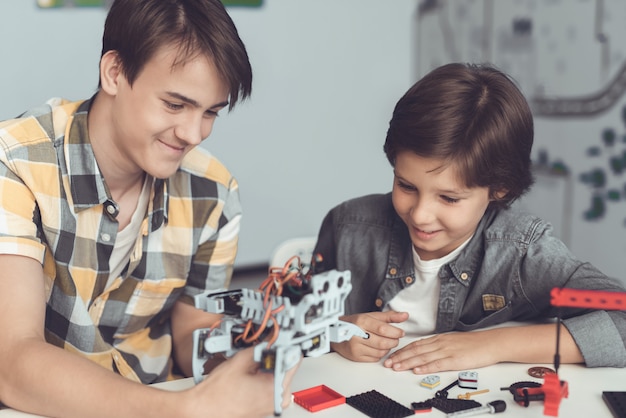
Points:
(237, 388)
(382, 336)
(185, 319)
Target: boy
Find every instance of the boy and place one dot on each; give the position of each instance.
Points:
(112, 220)
(444, 252)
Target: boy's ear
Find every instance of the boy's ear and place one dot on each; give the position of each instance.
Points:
(499, 195)
(110, 72)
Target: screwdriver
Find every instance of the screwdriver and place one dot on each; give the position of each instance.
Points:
(491, 408)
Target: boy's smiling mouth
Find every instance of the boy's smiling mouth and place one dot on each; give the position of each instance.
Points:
(422, 234)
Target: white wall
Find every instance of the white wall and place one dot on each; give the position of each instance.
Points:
(327, 75)
(47, 53)
(571, 50)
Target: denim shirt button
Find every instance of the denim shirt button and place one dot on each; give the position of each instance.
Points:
(393, 271)
(379, 302)
(408, 279)
(464, 276)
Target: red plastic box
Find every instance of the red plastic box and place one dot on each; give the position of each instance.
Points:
(318, 398)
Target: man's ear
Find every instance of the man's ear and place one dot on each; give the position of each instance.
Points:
(110, 72)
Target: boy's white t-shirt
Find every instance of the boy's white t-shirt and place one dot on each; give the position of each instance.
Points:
(421, 299)
(127, 237)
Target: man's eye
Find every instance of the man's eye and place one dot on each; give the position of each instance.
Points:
(173, 106)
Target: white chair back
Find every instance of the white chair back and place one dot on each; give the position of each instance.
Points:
(301, 247)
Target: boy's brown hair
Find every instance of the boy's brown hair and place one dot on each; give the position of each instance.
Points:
(474, 117)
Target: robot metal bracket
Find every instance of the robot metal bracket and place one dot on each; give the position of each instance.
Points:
(300, 319)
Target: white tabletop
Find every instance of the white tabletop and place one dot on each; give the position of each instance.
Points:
(349, 378)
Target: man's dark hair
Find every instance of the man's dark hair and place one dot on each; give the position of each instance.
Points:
(136, 29)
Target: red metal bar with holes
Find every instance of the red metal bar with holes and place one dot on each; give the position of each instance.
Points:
(588, 299)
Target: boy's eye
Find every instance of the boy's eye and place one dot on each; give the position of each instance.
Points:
(405, 186)
(449, 199)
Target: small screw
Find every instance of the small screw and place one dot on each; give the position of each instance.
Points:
(467, 395)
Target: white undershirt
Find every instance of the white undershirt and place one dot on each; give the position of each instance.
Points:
(421, 299)
(127, 237)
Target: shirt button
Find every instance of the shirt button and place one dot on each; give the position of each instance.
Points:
(379, 302)
(408, 279)
(393, 271)
(111, 209)
(105, 237)
(464, 276)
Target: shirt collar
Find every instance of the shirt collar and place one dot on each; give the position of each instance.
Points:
(470, 258)
(86, 182)
(467, 261)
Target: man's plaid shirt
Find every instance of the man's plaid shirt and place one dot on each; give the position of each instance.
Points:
(55, 207)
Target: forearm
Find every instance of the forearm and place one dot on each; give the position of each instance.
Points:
(532, 344)
(39, 378)
(185, 320)
(601, 336)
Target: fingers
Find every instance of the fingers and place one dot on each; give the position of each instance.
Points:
(443, 352)
(235, 387)
(421, 356)
(287, 397)
(415, 348)
(367, 351)
(213, 362)
(397, 317)
(383, 336)
(383, 323)
(379, 323)
(245, 360)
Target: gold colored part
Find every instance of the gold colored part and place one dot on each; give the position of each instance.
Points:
(467, 395)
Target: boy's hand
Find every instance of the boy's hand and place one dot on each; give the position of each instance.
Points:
(468, 350)
(443, 352)
(383, 336)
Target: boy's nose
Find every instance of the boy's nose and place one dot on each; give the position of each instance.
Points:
(422, 212)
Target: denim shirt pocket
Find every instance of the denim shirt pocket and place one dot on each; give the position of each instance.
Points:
(493, 318)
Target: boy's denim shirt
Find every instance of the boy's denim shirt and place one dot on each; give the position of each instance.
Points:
(505, 273)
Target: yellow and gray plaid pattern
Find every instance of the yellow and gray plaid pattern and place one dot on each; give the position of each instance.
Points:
(54, 207)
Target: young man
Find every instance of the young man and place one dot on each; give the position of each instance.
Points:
(444, 252)
(111, 220)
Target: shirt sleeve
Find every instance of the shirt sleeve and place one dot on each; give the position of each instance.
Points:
(18, 230)
(600, 335)
(212, 264)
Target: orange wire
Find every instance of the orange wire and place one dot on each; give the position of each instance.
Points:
(262, 325)
(244, 333)
(274, 336)
(216, 324)
(273, 285)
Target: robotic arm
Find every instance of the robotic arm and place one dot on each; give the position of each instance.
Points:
(553, 389)
(289, 316)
